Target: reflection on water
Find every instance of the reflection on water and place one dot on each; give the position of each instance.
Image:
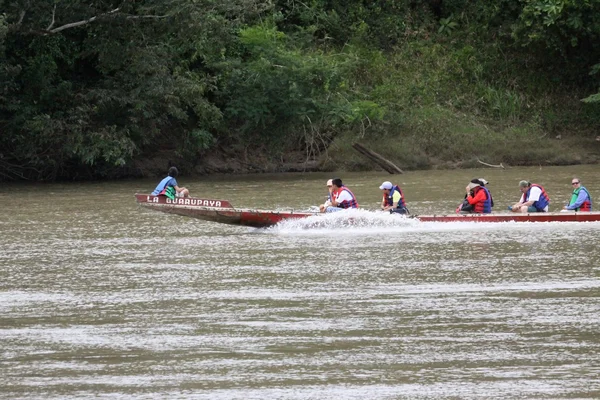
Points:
(101, 298)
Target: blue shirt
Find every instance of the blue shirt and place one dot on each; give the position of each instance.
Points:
(165, 183)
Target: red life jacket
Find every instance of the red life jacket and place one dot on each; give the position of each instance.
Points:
(485, 206)
(346, 203)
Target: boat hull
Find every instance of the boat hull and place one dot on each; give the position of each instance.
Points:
(223, 212)
(514, 217)
(217, 211)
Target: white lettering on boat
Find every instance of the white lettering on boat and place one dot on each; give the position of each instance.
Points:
(190, 202)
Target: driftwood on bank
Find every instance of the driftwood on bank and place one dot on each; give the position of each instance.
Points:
(377, 159)
(490, 165)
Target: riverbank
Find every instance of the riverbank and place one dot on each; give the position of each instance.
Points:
(406, 153)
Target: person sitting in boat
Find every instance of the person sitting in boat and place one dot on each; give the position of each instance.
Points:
(478, 200)
(393, 199)
(580, 198)
(168, 186)
(327, 203)
(533, 199)
(341, 197)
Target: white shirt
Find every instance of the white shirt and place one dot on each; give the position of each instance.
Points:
(344, 196)
(534, 195)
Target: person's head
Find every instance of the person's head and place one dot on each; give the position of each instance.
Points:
(329, 184)
(576, 183)
(336, 183)
(386, 187)
(472, 185)
(479, 181)
(524, 186)
(173, 172)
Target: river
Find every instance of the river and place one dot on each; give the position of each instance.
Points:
(101, 298)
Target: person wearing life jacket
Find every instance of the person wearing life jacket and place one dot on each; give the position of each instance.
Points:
(323, 207)
(393, 199)
(468, 204)
(580, 198)
(341, 197)
(478, 201)
(533, 199)
(168, 186)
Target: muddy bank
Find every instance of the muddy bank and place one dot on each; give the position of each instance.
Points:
(346, 159)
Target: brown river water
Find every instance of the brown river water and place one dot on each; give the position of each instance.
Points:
(101, 298)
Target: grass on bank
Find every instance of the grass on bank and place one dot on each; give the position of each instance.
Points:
(448, 105)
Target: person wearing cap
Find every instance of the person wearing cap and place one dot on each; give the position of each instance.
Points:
(323, 207)
(580, 198)
(341, 197)
(466, 205)
(393, 199)
(478, 200)
(533, 199)
(168, 186)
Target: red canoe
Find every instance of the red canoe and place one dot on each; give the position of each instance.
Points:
(222, 211)
(217, 211)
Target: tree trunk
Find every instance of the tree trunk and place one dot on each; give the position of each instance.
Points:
(377, 159)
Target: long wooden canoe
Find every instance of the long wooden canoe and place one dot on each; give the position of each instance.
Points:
(222, 211)
(217, 211)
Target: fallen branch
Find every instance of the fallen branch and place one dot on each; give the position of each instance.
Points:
(84, 22)
(378, 159)
(490, 165)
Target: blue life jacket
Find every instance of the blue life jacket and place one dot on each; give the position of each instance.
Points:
(487, 204)
(542, 202)
(162, 186)
(389, 199)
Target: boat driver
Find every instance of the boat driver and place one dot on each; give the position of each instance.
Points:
(168, 186)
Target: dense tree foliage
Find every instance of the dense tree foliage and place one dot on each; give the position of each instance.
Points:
(89, 86)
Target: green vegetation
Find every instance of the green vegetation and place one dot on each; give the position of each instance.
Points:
(88, 90)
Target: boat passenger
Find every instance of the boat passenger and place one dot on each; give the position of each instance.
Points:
(533, 199)
(580, 198)
(327, 203)
(477, 201)
(393, 199)
(168, 186)
(341, 197)
(468, 207)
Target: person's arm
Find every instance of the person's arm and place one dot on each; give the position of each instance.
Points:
(534, 195)
(335, 197)
(395, 200)
(480, 196)
(343, 195)
(580, 199)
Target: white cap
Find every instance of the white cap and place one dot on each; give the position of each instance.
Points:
(473, 185)
(330, 182)
(386, 185)
(483, 181)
